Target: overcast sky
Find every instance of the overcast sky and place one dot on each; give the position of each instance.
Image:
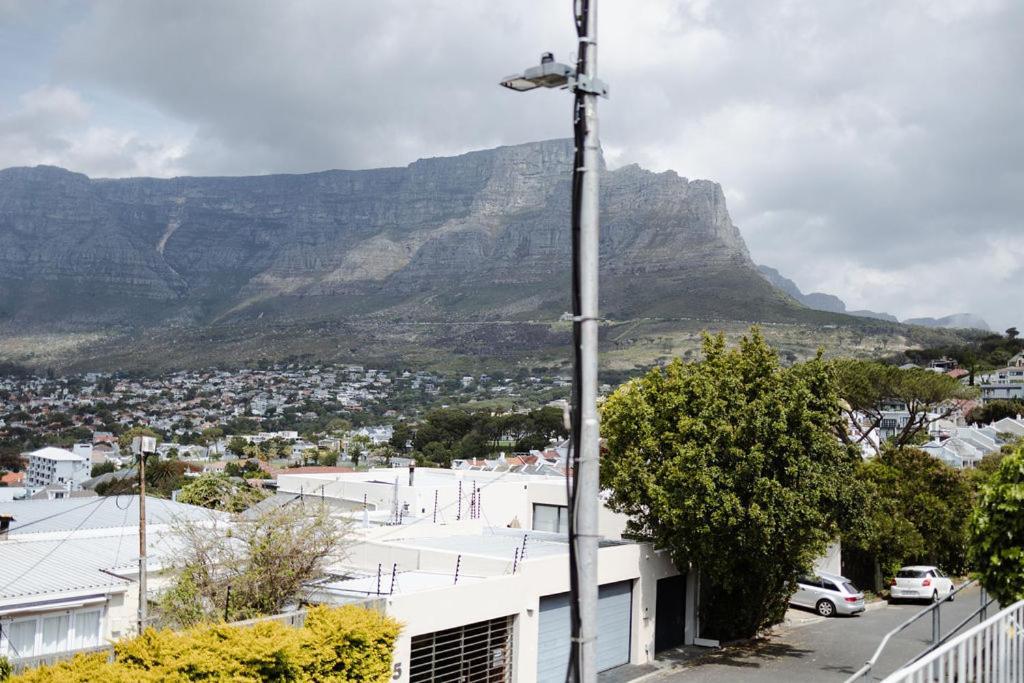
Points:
(873, 149)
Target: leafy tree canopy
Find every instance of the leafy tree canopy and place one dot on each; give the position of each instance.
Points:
(731, 464)
(869, 388)
(916, 512)
(997, 531)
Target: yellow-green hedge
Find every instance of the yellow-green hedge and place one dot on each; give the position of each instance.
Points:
(336, 644)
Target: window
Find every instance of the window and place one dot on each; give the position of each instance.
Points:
(829, 586)
(809, 581)
(87, 629)
(553, 518)
(21, 638)
(55, 633)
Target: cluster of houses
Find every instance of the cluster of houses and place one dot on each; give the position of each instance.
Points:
(950, 438)
(471, 560)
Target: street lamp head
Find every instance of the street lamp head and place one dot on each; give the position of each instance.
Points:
(550, 74)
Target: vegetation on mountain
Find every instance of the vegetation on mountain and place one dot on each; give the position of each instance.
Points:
(731, 463)
(869, 388)
(979, 354)
(997, 531)
(994, 411)
(335, 644)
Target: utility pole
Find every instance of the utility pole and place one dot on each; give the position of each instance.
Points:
(587, 475)
(585, 429)
(142, 445)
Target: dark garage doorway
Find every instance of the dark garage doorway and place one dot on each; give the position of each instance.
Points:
(670, 613)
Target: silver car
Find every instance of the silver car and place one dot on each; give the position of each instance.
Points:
(827, 594)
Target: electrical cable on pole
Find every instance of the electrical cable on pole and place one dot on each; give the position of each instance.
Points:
(582, 476)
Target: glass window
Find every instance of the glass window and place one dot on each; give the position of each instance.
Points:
(554, 518)
(828, 585)
(22, 638)
(87, 629)
(850, 588)
(809, 581)
(55, 633)
(910, 574)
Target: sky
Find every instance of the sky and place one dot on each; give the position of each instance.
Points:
(872, 149)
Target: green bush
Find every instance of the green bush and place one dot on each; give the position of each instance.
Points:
(997, 531)
(5, 669)
(336, 644)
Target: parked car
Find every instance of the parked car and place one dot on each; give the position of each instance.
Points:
(920, 582)
(827, 594)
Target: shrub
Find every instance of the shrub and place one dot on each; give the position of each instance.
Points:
(997, 531)
(336, 644)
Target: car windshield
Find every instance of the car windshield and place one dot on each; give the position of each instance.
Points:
(850, 588)
(910, 574)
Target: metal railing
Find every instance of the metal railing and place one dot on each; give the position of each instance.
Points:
(991, 652)
(937, 637)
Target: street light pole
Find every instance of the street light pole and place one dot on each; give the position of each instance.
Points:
(585, 433)
(587, 475)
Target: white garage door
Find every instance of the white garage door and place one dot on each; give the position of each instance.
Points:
(614, 611)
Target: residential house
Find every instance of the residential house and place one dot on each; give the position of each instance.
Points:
(56, 466)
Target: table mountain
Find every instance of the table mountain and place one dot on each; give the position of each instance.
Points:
(481, 236)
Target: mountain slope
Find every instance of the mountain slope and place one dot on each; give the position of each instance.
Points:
(481, 236)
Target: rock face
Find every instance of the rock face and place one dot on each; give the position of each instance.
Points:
(955, 321)
(482, 236)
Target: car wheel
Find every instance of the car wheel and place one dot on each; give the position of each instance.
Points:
(825, 608)
(935, 596)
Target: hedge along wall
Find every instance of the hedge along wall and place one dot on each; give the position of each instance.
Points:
(336, 644)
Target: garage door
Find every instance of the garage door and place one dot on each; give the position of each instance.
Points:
(614, 612)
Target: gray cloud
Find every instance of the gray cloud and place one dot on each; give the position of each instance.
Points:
(871, 149)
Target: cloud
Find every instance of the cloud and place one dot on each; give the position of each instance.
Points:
(54, 125)
(870, 149)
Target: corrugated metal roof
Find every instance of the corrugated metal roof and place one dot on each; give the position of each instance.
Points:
(47, 516)
(51, 567)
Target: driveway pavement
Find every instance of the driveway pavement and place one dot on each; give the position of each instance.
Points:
(813, 649)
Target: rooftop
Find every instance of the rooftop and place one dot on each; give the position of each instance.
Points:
(113, 512)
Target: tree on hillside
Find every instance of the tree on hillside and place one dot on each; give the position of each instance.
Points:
(997, 531)
(401, 435)
(865, 388)
(1012, 333)
(731, 464)
(994, 411)
(916, 509)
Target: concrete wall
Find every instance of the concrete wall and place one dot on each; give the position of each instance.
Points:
(519, 596)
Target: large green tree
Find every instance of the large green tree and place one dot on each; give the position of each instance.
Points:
(916, 511)
(869, 388)
(997, 531)
(731, 464)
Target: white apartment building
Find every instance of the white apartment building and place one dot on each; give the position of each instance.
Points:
(475, 565)
(56, 467)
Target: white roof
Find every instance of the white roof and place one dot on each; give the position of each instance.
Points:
(78, 514)
(52, 453)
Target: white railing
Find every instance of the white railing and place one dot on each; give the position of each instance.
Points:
(991, 652)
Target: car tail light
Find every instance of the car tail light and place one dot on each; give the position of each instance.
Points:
(850, 599)
(926, 583)
(893, 582)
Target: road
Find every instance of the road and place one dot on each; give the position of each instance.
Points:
(822, 650)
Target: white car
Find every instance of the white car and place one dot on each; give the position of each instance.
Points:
(920, 583)
(828, 595)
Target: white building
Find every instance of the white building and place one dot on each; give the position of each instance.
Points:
(55, 466)
(474, 567)
(69, 571)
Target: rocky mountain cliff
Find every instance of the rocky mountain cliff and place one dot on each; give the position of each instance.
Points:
(481, 236)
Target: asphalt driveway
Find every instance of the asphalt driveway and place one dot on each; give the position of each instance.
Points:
(814, 649)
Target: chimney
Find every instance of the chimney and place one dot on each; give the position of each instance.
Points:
(412, 471)
(5, 524)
